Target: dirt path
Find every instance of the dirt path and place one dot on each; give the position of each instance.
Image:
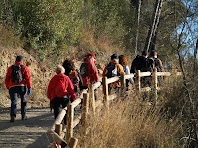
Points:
(30, 133)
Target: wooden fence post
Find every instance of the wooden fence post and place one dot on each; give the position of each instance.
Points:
(123, 83)
(58, 129)
(70, 119)
(155, 83)
(84, 109)
(105, 91)
(73, 142)
(137, 81)
(91, 98)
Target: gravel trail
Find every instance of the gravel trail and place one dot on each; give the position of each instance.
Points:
(30, 133)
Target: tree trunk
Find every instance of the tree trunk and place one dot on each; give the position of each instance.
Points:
(138, 22)
(194, 60)
(154, 26)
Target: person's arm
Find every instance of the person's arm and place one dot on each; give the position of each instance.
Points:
(128, 72)
(160, 65)
(50, 88)
(27, 77)
(93, 72)
(8, 77)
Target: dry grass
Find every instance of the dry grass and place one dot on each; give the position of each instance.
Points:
(130, 123)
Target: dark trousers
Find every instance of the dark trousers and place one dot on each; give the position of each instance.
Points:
(14, 93)
(127, 84)
(57, 103)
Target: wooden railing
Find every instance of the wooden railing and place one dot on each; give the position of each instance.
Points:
(90, 104)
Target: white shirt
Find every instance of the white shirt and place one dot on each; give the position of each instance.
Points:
(127, 72)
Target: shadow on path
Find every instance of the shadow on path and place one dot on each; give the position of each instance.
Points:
(31, 133)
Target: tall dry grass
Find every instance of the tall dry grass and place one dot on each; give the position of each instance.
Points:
(130, 123)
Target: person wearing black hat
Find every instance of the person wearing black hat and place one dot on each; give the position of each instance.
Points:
(113, 69)
(18, 77)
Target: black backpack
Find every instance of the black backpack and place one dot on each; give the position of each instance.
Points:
(111, 70)
(84, 69)
(150, 64)
(139, 63)
(16, 75)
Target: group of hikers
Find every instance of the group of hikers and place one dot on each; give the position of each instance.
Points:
(68, 82)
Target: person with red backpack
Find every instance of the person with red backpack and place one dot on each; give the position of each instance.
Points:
(113, 69)
(60, 91)
(17, 78)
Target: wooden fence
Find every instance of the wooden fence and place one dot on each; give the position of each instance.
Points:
(57, 132)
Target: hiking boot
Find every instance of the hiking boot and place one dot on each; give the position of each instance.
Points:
(12, 119)
(24, 118)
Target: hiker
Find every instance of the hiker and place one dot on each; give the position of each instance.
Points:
(73, 74)
(60, 91)
(89, 71)
(123, 62)
(154, 62)
(111, 70)
(139, 63)
(17, 78)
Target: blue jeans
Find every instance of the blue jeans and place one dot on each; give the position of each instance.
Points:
(15, 92)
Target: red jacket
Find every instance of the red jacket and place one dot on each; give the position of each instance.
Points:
(92, 74)
(25, 74)
(56, 89)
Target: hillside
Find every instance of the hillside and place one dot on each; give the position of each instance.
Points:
(40, 77)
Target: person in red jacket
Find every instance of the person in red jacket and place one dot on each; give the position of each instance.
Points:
(60, 91)
(89, 72)
(16, 84)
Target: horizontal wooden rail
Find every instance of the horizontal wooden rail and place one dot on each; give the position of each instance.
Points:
(76, 102)
(163, 74)
(76, 121)
(57, 138)
(59, 118)
(145, 74)
(97, 84)
(129, 76)
(113, 79)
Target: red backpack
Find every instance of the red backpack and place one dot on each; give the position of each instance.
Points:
(60, 88)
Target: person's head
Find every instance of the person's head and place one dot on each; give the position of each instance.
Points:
(60, 69)
(68, 64)
(92, 57)
(19, 58)
(153, 54)
(123, 60)
(144, 53)
(114, 57)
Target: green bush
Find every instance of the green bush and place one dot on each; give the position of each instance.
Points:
(47, 25)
